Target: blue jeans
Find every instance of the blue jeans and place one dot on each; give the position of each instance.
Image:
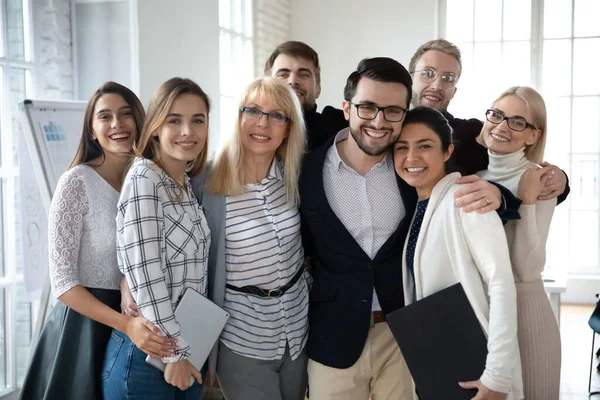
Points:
(127, 376)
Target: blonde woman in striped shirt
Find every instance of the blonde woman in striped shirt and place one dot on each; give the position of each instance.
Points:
(256, 258)
(162, 241)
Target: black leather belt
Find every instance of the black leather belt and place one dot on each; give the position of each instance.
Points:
(255, 290)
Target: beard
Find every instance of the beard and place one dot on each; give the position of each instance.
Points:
(371, 150)
(307, 101)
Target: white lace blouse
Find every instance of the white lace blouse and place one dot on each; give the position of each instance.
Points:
(82, 232)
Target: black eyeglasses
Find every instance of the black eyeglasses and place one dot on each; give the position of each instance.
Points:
(369, 112)
(429, 75)
(515, 123)
(273, 117)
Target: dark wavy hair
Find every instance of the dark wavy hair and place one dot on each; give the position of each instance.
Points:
(89, 149)
(381, 69)
(434, 120)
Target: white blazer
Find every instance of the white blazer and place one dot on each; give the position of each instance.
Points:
(471, 248)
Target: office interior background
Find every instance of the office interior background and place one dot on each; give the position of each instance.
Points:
(64, 49)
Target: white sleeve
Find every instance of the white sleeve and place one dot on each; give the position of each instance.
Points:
(65, 228)
(487, 244)
(528, 250)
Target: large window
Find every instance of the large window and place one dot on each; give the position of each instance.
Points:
(236, 61)
(16, 83)
(554, 46)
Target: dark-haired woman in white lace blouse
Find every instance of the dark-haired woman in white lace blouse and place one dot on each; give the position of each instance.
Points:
(84, 274)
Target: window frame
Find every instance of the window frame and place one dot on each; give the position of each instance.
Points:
(235, 35)
(9, 174)
(537, 41)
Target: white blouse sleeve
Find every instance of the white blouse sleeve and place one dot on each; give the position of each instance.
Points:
(529, 243)
(65, 228)
(140, 250)
(487, 244)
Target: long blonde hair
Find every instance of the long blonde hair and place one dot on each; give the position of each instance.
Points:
(160, 104)
(227, 176)
(537, 108)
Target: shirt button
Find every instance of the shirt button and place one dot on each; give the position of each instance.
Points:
(370, 265)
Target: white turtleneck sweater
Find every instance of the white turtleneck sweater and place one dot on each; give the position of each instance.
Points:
(526, 237)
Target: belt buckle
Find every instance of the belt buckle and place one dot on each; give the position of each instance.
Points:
(372, 319)
(274, 293)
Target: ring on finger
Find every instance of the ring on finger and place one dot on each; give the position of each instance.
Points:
(487, 202)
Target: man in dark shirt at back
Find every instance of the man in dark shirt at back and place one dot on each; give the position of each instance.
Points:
(298, 64)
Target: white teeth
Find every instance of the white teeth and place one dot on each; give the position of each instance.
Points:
(499, 138)
(186, 144)
(117, 136)
(374, 134)
(416, 169)
(260, 137)
(431, 98)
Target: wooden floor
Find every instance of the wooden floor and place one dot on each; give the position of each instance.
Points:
(576, 339)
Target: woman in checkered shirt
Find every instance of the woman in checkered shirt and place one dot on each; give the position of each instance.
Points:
(162, 241)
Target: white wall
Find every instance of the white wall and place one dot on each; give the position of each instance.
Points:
(102, 45)
(272, 19)
(180, 38)
(344, 32)
(52, 49)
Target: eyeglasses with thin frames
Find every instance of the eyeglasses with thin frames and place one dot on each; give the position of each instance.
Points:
(429, 75)
(515, 123)
(273, 117)
(370, 112)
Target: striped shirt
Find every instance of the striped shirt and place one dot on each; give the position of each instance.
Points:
(263, 248)
(370, 206)
(162, 245)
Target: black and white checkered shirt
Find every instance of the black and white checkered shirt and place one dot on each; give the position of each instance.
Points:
(162, 245)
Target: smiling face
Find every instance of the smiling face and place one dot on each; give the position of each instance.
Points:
(500, 138)
(113, 125)
(419, 158)
(261, 137)
(374, 137)
(434, 95)
(300, 74)
(183, 134)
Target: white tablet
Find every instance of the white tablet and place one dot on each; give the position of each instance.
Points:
(202, 322)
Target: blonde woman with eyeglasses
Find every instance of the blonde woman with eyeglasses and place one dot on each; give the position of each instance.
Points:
(255, 266)
(515, 136)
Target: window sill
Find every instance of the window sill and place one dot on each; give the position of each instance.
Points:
(9, 394)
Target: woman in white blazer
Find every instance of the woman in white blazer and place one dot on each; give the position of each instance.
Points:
(446, 245)
(515, 135)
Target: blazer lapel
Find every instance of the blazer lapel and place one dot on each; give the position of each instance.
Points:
(315, 200)
(408, 194)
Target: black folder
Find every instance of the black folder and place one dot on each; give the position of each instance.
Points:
(442, 342)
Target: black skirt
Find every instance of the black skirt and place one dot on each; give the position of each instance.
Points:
(67, 362)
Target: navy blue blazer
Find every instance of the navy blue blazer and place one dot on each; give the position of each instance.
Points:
(344, 275)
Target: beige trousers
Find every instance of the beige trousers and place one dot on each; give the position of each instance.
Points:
(380, 371)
